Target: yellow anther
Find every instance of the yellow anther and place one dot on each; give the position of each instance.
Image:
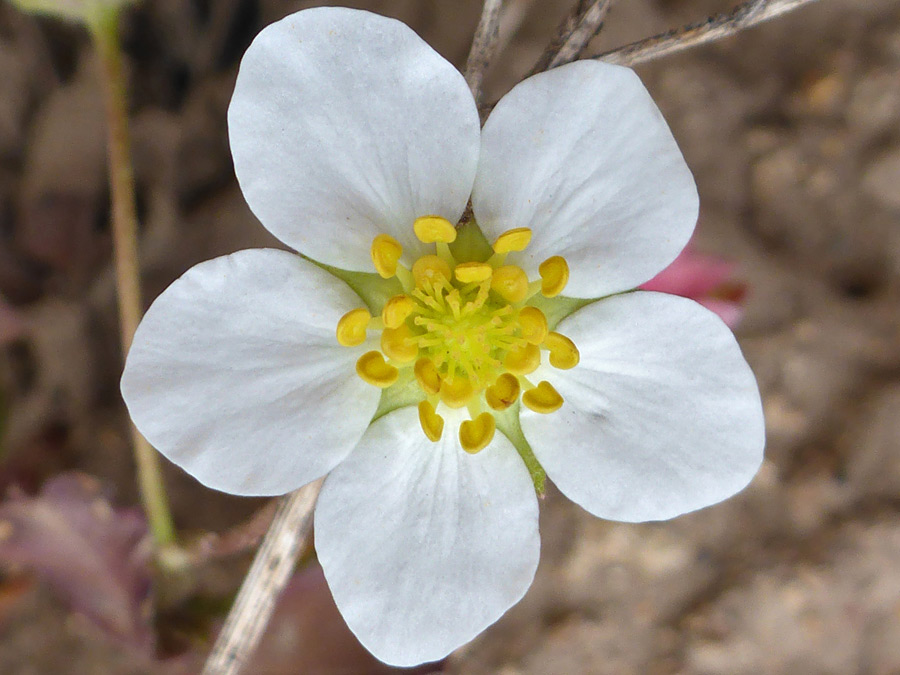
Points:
(372, 368)
(396, 310)
(432, 423)
(427, 376)
(430, 229)
(554, 276)
(429, 268)
(456, 392)
(522, 360)
(351, 328)
(397, 345)
(513, 240)
(474, 435)
(534, 324)
(386, 251)
(473, 271)
(510, 282)
(543, 398)
(503, 393)
(563, 352)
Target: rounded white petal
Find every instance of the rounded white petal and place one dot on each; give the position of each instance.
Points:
(344, 125)
(582, 156)
(662, 415)
(422, 544)
(236, 376)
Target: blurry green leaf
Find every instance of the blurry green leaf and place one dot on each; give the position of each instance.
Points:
(89, 12)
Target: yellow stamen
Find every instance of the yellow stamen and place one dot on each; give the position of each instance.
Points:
(554, 276)
(510, 282)
(429, 268)
(474, 435)
(386, 251)
(372, 368)
(503, 393)
(443, 252)
(563, 352)
(397, 345)
(396, 310)
(534, 324)
(351, 328)
(427, 376)
(543, 398)
(431, 229)
(473, 272)
(522, 360)
(456, 392)
(432, 423)
(466, 328)
(513, 240)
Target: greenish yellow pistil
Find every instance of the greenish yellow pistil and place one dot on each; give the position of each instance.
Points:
(465, 329)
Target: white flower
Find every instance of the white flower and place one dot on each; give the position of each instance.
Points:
(352, 139)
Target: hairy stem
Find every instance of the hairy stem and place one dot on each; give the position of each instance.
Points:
(721, 26)
(268, 575)
(105, 32)
(483, 46)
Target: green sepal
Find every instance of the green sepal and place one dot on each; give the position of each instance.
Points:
(508, 424)
(470, 244)
(404, 392)
(369, 286)
(558, 308)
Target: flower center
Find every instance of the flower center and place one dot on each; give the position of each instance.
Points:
(465, 328)
(465, 333)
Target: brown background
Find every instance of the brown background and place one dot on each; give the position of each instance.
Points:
(792, 130)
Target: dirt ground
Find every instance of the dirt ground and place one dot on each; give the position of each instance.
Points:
(792, 130)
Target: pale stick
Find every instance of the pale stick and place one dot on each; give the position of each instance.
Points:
(268, 575)
(590, 24)
(721, 26)
(585, 26)
(483, 46)
(511, 19)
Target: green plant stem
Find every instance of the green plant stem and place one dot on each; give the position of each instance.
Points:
(105, 32)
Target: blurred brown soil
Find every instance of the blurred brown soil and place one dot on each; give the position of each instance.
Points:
(793, 133)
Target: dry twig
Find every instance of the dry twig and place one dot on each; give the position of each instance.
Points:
(264, 583)
(576, 30)
(483, 46)
(721, 26)
(591, 23)
(511, 19)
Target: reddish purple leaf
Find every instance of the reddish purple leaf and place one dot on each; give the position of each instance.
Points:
(95, 557)
(708, 280)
